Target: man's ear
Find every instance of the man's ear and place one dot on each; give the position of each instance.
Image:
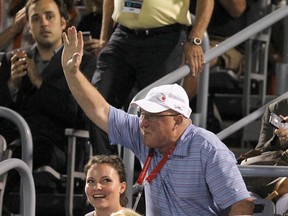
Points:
(179, 120)
(63, 23)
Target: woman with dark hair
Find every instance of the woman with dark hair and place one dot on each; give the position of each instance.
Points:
(106, 186)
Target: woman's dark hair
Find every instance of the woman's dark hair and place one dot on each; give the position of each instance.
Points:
(117, 163)
(61, 6)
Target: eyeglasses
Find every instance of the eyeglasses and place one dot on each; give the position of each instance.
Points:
(153, 117)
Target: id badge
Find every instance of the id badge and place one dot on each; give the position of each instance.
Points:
(132, 6)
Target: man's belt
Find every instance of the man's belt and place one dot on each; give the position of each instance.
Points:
(152, 31)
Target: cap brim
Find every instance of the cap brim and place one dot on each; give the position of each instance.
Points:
(150, 106)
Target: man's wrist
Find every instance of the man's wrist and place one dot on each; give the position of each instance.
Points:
(195, 40)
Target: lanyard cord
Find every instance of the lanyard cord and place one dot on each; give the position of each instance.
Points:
(157, 169)
(145, 167)
(152, 175)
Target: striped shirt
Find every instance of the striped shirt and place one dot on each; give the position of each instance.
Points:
(200, 177)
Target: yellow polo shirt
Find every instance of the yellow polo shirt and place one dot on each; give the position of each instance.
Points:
(153, 13)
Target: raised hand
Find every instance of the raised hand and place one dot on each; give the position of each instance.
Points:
(282, 134)
(73, 50)
(20, 20)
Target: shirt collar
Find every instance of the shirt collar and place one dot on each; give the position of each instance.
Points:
(184, 141)
(182, 144)
(33, 52)
(41, 65)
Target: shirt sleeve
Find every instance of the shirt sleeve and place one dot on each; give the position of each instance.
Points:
(266, 137)
(223, 176)
(123, 129)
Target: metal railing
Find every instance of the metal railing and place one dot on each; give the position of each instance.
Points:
(26, 145)
(263, 171)
(199, 118)
(28, 203)
(25, 133)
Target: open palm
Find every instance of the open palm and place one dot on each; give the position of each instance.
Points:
(73, 50)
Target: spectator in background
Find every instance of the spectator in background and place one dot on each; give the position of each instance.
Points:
(149, 42)
(271, 139)
(32, 83)
(164, 137)
(106, 186)
(92, 22)
(13, 30)
(228, 18)
(74, 15)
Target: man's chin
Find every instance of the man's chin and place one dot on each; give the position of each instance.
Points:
(148, 142)
(45, 44)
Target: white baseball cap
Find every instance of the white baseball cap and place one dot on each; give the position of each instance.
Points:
(166, 97)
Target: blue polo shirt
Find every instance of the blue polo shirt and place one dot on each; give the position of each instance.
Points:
(200, 177)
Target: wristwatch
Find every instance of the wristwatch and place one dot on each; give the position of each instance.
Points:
(195, 40)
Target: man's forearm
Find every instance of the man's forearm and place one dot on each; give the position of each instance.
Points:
(243, 207)
(107, 21)
(90, 100)
(203, 15)
(6, 36)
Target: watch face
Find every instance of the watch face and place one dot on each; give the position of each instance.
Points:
(197, 41)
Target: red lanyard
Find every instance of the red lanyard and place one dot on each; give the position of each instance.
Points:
(157, 169)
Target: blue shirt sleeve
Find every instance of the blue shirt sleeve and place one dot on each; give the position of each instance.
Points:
(123, 129)
(223, 177)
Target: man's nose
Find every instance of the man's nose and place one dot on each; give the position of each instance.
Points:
(143, 122)
(44, 21)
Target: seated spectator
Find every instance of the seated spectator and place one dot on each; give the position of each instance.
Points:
(106, 186)
(74, 15)
(13, 29)
(228, 18)
(32, 83)
(270, 139)
(92, 22)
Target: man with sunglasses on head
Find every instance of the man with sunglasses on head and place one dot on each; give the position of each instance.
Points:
(187, 170)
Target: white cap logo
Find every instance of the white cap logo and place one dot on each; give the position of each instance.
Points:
(161, 97)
